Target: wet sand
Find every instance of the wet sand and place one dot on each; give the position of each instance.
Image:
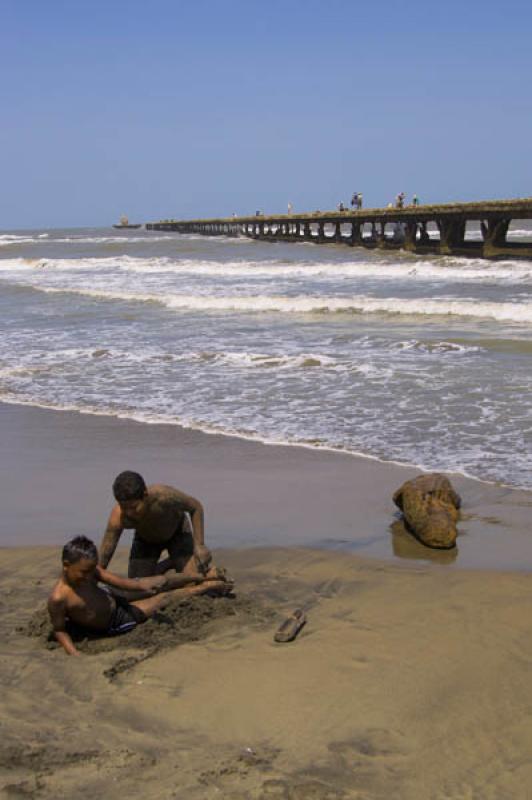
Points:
(56, 471)
(411, 682)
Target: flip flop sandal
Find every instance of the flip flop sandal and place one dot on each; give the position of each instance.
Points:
(289, 629)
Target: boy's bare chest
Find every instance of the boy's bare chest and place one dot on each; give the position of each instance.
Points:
(89, 604)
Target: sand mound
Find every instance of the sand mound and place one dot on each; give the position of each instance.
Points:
(183, 621)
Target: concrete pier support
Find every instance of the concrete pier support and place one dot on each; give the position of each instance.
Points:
(452, 235)
(410, 237)
(356, 234)
(495, 237)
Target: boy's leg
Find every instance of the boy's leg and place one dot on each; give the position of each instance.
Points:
(178, 580)
(152, 604)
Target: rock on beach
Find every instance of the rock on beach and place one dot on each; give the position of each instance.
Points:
(430, 508)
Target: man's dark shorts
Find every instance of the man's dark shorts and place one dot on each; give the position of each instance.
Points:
(144, 556)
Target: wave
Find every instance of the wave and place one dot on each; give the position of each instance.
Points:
(520, 232)
(56, 361)
(361, 304)
(7, 239)
(444, 269)
(79, 359)
(113, 239)
(44, 238)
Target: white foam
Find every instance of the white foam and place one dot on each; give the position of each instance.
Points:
(267, 360)
(446, 348)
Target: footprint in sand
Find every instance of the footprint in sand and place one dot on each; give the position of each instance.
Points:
(328, 589)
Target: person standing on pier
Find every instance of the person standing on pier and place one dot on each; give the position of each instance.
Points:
(415, 200)
(359, 199)
(289, 208)
(354, 201)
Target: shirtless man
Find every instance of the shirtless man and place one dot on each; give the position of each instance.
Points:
(160, 517)
(77, 598)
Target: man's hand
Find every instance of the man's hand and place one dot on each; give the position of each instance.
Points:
(152, 584)
(203, 556)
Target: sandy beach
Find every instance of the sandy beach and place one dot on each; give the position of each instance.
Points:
(261, 269)
(410, 679)
(407, 682)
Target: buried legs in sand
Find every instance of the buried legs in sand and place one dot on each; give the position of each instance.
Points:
(209, 585)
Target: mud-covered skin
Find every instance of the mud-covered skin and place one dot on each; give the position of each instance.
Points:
(157, 518)
(77, 597)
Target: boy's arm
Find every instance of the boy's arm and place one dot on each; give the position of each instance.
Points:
(149, 584)
(111, 536)
(152, 583)
(57, 612)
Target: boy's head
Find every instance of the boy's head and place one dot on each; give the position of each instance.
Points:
(80, 558)
(130, 493)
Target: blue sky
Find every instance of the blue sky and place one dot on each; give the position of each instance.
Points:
(179, 109)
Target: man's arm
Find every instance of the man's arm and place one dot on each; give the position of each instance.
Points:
(56, 610)
(111, 536)
(197, 516)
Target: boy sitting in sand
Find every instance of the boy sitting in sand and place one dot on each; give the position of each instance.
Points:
(77, 598)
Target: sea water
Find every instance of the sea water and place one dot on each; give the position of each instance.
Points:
(415, 359)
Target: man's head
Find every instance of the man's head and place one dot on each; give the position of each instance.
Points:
(80, 558)
(130, 493)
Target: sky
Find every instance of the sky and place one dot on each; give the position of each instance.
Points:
(179, 109)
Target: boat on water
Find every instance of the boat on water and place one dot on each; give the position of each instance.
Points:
(125, 223)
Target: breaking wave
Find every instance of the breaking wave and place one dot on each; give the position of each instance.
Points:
(445, 269)
(501, 312)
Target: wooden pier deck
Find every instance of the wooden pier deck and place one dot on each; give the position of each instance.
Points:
(433, 229)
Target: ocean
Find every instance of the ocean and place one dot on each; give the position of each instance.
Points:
(418, 360)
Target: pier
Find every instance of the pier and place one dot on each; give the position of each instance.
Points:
(478, 230)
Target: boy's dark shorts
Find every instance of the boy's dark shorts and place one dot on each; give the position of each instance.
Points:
(144, 556)
(125, 617)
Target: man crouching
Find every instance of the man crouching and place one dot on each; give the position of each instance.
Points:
(164, 519)
(77, 598)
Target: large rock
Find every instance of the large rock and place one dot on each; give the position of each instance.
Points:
(430, 507)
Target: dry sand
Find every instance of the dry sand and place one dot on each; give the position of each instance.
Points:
(407, 682)
(411, 680)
